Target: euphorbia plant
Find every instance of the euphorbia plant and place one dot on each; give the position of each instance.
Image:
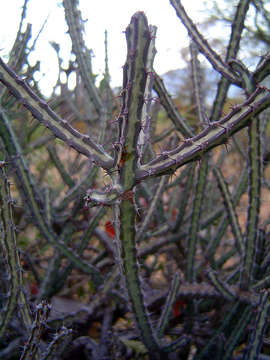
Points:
(176, 202)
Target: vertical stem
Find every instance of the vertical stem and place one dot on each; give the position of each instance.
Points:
(135, 78)
(195, 220)
(16, 294)
(254, 194)
(232, 50)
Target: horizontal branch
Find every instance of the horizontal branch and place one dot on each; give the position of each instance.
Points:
(43, 113)
(216, 133)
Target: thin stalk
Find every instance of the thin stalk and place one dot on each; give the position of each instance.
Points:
(16, 295)
(195, 221)
(203, 45)
(254, 194)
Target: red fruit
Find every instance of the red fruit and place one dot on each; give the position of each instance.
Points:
(109, 228)
(34, 288)
(178, 305)
(174, 213)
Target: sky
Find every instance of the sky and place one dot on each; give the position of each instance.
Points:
(113, 16)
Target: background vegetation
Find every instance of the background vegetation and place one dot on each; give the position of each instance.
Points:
(134, 225)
